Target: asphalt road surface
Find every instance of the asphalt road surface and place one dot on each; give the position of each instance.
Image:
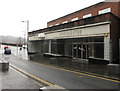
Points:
(62, 77)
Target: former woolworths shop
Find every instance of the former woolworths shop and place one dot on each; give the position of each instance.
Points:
(92, 32)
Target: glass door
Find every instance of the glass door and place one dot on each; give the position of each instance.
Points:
(85, 51)
(75, 50)
(81, 51)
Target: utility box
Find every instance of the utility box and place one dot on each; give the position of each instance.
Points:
(4, 65)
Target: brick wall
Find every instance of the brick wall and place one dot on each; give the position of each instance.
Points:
(94, 9)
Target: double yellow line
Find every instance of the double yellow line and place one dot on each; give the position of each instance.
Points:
(85, 74)
(49, 84)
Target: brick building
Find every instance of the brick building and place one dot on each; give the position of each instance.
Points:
(94, 10)
(90, 33)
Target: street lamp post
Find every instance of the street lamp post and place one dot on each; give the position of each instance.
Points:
(27, 21)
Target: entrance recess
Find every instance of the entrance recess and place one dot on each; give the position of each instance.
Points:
(81, 51)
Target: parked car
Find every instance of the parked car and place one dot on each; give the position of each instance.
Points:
(7, 51)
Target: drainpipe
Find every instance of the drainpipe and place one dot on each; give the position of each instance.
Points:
(119, 49)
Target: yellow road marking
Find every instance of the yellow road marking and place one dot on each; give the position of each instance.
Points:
(31, 76)
(63, 70)
(80, 76)
(108, 79)
(90, 75)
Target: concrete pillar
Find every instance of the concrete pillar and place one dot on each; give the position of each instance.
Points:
(107, 47)
(49, 46)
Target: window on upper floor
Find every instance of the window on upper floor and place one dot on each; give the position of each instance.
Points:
(56, 24)
(88, 15)
(74, 19)
(50, 25)
(104, 11)
(64, 22)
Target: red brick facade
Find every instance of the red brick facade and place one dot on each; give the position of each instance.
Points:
(93, 10)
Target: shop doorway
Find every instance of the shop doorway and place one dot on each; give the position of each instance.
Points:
(81, 51)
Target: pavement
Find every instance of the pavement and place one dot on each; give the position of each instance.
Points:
(13, 79)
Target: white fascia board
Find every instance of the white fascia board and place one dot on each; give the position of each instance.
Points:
(89, 25)
(41, 35)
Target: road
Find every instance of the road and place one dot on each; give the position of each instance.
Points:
(62, 77)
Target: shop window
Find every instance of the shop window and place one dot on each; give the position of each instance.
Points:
(96, 47)
(99, 50)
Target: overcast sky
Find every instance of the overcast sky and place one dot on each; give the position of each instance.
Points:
(38, 12)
